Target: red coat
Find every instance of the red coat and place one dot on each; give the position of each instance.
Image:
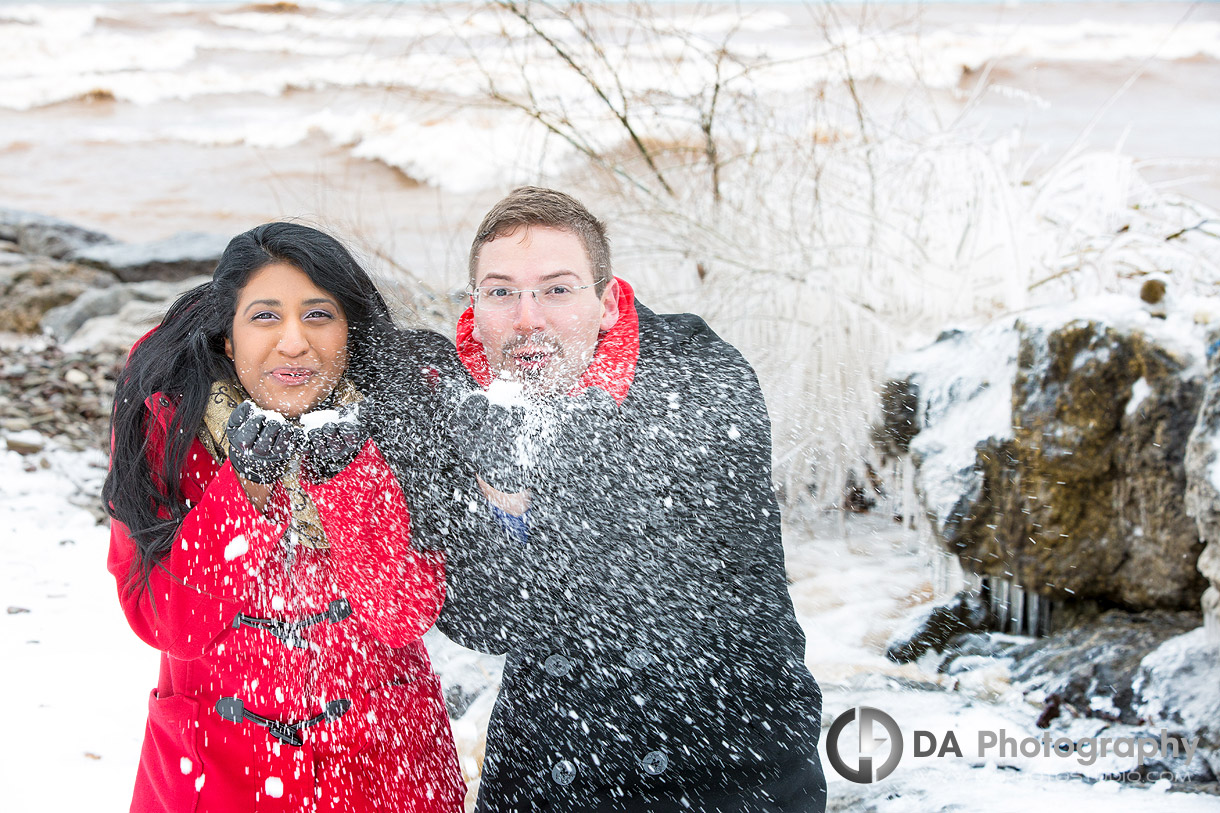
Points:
(391, 750)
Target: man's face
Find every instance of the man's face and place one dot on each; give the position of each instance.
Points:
(545, 348)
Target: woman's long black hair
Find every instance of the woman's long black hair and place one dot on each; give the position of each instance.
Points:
(182, 357)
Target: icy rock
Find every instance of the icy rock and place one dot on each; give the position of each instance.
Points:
(182, 255)
(971, 648)
(1178, 688)
(1203, 486)
(936, 626)
(899, 410)
(1089, 669)
(1033, 468)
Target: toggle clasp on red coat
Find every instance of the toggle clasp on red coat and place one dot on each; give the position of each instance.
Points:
(234, 710)
(291, 632)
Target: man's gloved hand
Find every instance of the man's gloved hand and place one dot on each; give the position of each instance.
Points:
(586, 427)
(583, 458)
(329, 448)
(260, 448)
(496, 439)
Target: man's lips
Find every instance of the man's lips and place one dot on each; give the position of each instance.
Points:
(531, 358)
(292, 376)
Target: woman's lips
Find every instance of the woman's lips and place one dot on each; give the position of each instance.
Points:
(292, 376)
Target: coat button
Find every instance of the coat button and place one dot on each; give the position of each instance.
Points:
(654, 763)
(557, 666)
(639, 658)
(564, 772)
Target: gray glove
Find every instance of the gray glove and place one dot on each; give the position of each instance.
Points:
(260, 449)
(333, 445)
(492, 437)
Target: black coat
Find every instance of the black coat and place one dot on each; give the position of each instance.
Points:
(650, 636)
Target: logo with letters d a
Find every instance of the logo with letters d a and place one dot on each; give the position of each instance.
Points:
(869, 742)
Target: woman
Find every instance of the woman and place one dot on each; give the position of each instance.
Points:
(263, 545)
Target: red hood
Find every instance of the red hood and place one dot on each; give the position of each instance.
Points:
(613, 365)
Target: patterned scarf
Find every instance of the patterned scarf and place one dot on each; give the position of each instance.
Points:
(305, 526)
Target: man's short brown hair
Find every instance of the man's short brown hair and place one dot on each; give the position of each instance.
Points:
(534, 206)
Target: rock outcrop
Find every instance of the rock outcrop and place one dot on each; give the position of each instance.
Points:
(45, 236)
(1054, 457)
(1203, 487)
(114, 317)
(32, 285)
(186, 254)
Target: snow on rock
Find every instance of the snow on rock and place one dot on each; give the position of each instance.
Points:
(1049, 443)
(964, 383)
(1139, 391)
(1179, 686)
(1203, 485)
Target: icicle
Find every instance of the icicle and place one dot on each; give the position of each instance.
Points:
(1032, 612)
(1017, 615)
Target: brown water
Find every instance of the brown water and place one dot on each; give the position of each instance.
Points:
(142, 168)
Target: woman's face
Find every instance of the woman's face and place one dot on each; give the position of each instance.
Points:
(289, 341)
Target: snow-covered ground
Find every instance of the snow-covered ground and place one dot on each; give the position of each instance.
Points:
(74, 678)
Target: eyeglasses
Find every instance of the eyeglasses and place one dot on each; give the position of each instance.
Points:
(499, 297)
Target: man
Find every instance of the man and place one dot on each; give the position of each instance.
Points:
(633, 571)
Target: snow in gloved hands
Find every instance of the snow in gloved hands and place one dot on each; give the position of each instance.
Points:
(261, 443)
(333, 438)
(515, 440)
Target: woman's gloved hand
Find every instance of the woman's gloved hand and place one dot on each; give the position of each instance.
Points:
(329, 448)
(260, 447)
